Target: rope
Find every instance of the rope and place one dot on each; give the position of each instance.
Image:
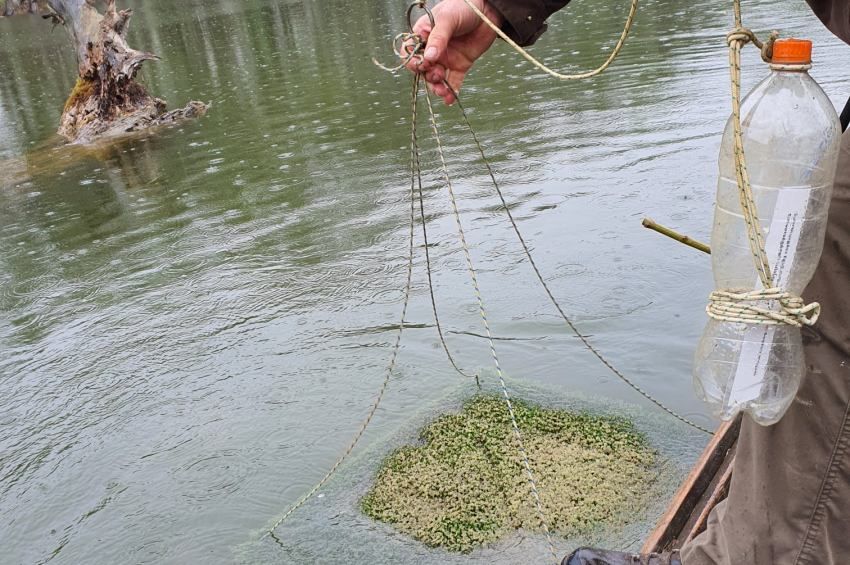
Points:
(393, 355)
(724, 305)
(416, 170)
(414, 49)
(410, 43)
(570, 324)
(730, 305)
(474, 277)
(627, 27)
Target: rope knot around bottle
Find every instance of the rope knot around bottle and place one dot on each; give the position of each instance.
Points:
(769, 305)
(754, 307)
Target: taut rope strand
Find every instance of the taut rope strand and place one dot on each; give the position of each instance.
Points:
(590, 347)
(393, 355)
(734, 305)
(474, 277)
(417, 171)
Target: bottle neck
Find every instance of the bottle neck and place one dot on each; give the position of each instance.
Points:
(790, 68)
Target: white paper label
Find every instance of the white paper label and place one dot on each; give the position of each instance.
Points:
(781, 246)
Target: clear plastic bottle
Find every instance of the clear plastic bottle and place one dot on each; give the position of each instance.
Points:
(791, 138)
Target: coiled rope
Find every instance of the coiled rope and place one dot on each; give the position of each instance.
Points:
(741, 307)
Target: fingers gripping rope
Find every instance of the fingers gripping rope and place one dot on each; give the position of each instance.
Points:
(412, 45)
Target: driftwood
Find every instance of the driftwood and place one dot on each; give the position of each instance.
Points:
(107, 100)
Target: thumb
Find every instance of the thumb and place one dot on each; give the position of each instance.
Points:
(438, 40)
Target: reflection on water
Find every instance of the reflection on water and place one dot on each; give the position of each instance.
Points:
(189, 317)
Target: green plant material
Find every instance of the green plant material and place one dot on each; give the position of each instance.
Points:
(465, 485)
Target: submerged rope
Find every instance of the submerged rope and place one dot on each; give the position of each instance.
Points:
(393, 355)
(590, 347)
(532, 484)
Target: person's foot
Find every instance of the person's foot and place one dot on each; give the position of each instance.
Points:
(590, 556)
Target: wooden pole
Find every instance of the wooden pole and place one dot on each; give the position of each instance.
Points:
(651, 224)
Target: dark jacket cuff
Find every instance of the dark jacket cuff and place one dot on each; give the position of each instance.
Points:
(525, 20)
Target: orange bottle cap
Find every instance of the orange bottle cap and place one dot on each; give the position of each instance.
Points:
(792, 52)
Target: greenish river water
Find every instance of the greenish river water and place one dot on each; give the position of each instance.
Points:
(193, 323)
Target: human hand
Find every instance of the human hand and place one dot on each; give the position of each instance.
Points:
(458, 38)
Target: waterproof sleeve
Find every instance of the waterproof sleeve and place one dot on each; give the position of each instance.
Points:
(835, 14)
(525, 20)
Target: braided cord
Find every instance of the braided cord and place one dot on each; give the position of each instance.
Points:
(417, 172)
(727, 306)
(627, 27)
(570, 324)
(393, 356)
(532, 484)
(732, 305)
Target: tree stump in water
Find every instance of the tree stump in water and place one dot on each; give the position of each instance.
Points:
(107, 100)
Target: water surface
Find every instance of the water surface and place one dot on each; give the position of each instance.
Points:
(194, 322)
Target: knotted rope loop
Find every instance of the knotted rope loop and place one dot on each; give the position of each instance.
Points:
(767, 47)
(749, 307)
(743, 36)
(407, 46)
(756, 306)
(740, 36)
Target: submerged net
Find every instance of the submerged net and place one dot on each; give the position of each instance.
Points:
(333, 528)
(463, 486)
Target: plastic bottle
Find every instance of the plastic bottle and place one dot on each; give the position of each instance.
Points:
(791, 138)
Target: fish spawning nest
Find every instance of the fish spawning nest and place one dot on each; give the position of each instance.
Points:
(465, 486)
